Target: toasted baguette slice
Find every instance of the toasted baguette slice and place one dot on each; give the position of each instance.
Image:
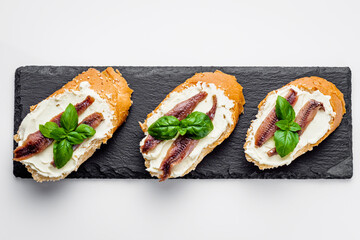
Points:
(111, 89)
(230, 88)
(311, 85)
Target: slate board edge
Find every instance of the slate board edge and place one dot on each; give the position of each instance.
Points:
(349, 111)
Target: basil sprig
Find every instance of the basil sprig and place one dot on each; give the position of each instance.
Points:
(196, 125)
(66, 136)
(286, 137)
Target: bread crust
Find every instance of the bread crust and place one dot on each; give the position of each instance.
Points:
(309, 84)
(111, 86)
(231, 88)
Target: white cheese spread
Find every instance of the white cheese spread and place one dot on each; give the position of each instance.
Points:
(315, 130)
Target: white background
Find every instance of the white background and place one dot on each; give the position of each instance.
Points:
(253, 33)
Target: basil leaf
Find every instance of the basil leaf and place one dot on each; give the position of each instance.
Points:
(62, 153)
(284, 111)
(75, 138)
(164, 128)
(285, 142)
(283, 124)
(58, 134)
(47, 128)
(294, 127)
(69, 119)
(197, 124)
(85, 130)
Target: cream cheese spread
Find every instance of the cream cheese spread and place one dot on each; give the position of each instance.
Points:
(317, 128)
(221, 121)
(51, 107)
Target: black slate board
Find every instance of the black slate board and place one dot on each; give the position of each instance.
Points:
(120, 158)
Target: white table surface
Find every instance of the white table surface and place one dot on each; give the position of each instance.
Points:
(185, 33)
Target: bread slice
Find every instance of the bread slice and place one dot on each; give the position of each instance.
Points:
(109, 85)
(232, 89)
(309, 84)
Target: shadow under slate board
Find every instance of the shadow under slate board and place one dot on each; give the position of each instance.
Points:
(120, 158)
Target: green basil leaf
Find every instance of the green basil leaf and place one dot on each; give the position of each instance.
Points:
(197, 124)
(75, 138)
(284, 111)
(85, 130)
(283, 124)
(294, 127)
(62, 153)
(285, 142)
(58, 134)
(164, 128)
(69, 119)
(47, 128)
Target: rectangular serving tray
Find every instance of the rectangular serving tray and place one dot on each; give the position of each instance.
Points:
(120, 158)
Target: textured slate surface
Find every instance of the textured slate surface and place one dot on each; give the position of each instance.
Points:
(120, 158)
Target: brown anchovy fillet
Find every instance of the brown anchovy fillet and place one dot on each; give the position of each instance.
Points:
(36, 142)
(307, 114)
(180, 111)
(268, 127)
(304, 118)
(181, 148)
(93, 120)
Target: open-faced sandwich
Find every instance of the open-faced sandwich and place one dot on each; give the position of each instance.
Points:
(64, 130)
(190, 122)
(292, 120)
